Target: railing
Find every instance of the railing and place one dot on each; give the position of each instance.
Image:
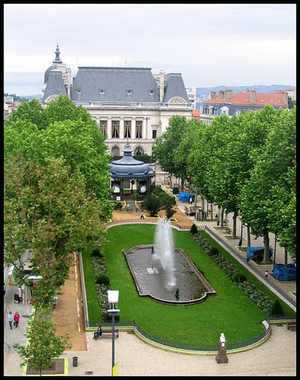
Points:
(208, 348)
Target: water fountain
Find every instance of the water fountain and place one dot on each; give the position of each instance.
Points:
(166, 274)
(164, 252)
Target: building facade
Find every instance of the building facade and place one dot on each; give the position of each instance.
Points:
(229, 103)
(126, 102)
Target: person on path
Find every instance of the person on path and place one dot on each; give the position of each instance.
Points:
(10, 319)
(142, 215)
(16, 319)
(240, 244)
(4, 287)
(98, 333)
(266, 274)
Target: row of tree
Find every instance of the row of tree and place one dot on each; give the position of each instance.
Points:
(56, 191)
(245, 164)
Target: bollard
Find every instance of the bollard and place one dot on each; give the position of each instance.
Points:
(75, 361)
(221, 356)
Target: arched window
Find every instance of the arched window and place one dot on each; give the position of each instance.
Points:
(139, 151)
(115, 151)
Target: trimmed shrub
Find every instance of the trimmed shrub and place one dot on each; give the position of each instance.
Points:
(213, 251)
(102, 279)
(238, 277)
(152, 204)
(276, 309)
(193, 229)
(96, 253)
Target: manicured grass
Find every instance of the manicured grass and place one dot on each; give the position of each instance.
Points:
(230, 311)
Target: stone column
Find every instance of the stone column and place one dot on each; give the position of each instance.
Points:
(109, 134)
(144, 136)
(133, 129)
(121, 128)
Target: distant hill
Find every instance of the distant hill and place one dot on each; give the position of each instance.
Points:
(203, 93)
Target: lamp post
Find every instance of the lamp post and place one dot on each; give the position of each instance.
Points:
(113, 299)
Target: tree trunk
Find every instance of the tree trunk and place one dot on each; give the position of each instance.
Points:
(248, 236)
(182, 184)
(234, 225)
(212, 211)
(285, 256)
(222, 217)
(266, 259)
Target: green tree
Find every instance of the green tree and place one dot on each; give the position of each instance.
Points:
(31, 111)
(42, 344)
(165, 147)
(272, 163)
(282, 166)
(69, 132)
(48, 210)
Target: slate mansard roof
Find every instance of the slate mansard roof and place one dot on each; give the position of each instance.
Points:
(55, 85)
(113, 84)
(174, 86)
(123, 85)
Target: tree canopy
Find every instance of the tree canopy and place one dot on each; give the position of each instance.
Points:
(245, 164)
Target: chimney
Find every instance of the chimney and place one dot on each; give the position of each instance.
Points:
(252, 95)
(285, 97)
(228, 94)
(162, 85)
(221, 94)
(213, 94)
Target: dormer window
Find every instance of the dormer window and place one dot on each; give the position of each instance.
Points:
(129, 92)
(79, 91)
(101, 91)
(151, 92)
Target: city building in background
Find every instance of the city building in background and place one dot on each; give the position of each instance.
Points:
(126, 102)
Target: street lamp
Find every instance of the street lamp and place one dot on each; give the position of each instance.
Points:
(113, 299)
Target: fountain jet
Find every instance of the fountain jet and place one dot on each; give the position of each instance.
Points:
(164, 252)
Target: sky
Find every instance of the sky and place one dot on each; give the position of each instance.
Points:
(209, 44)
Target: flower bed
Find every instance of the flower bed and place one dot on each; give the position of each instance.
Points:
(257, 296)
(101, 285)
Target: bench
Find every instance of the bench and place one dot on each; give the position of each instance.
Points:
(109, 331)
(291, 326)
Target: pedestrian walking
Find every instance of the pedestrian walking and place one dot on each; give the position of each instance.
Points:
(266, 274)
(10, 318)
(4, 288)
(142, 216)
(16, 319)
(240, 244)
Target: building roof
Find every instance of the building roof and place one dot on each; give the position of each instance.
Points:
(124, 85)
(196, 113)
(243, 98)
(129, 167)
(56, 61)
(174, 86)
(55, 85)
(114, 84)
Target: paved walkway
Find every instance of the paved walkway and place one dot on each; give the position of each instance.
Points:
(276, 357)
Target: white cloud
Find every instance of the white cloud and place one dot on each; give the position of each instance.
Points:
(193, 39)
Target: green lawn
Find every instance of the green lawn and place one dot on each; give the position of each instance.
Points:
(230, 311)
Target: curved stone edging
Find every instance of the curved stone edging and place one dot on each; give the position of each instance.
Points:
(196, 352)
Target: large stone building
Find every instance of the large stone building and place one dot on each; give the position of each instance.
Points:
(127, 102)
